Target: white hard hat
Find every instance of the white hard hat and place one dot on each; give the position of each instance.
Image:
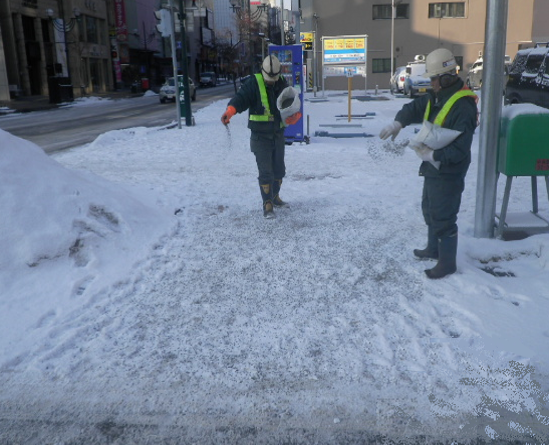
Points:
(440, 61)
(270, 68)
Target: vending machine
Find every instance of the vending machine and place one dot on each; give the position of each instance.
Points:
(291, 59)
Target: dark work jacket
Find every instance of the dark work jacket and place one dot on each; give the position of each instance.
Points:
(248, 97)
(455, 157)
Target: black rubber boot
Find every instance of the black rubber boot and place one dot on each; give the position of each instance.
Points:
(447, 251)
(267, 197)
(276, 198)
(431, 251)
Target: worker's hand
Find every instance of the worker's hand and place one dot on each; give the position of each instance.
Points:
(229, 112)
(293, 118)
(390, 130)
(424, 153)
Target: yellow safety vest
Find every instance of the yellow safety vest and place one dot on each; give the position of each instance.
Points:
(441, 116)
(266, 116)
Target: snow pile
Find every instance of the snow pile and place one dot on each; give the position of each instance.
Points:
(143, 295)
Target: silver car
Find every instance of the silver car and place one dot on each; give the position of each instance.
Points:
(397, 80)
(474, 76)
(208, 79)
(168, 90)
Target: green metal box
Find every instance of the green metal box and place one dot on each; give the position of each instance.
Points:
(524, 141)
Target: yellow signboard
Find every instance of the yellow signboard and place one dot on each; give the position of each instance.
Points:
(344, 50)
(349, 43)
(306, 37)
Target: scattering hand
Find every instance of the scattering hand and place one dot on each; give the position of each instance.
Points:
(390, 130)
(229, 112)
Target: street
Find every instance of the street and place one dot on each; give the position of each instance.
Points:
(73, 125)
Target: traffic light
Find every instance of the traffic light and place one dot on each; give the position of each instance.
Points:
(165, 25)
(177, 19)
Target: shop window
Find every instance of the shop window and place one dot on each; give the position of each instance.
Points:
(383, 12)
(381, 65)
(446, 10)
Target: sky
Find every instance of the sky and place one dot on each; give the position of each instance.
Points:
(143, 296)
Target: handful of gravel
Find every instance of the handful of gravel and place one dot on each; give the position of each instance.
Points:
(396, 148)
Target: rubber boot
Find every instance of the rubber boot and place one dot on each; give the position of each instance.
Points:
(276, 198)
(267, 197)
(447, 251)
(431, 251)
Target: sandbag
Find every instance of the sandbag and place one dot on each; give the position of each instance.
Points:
(434, 136)
(288, 102)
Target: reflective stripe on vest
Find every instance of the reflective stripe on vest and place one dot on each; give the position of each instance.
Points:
(266, 116)
(441, 116)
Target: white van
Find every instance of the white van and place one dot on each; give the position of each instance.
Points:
(415, 83)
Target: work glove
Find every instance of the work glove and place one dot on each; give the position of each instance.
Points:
(390, 130)
(229, 112)
(291, 120)
(423, 152)
(426, 154)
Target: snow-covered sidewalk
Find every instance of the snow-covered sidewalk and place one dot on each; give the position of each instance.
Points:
(144, 299)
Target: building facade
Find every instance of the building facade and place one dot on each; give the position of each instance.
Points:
(45, 39)
(97, 46)
(419, 26)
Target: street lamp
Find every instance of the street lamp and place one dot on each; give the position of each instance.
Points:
(63, 26)
(393, 13)
(263, 41)
(245, 15)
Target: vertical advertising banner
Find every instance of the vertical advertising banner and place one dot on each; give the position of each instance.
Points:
(121, 30)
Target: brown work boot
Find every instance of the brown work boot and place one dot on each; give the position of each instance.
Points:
(268, 210)
(279, 203)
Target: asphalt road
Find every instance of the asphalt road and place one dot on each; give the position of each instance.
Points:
(71, 126)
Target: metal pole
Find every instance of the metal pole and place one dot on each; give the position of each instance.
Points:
(250, 55)
(282, 36)
(174, 65)
(185, 68)
(297, 14)
(392, 36)
(315, 68)
(494, 53)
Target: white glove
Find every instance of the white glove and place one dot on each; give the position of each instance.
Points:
(426, 154)
(423, 152)
(390, 130)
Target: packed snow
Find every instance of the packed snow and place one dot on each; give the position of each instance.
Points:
(144, 298)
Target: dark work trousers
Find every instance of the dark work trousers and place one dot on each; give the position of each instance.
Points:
(440, 204)
(269, 155)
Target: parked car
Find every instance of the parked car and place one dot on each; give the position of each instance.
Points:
(168, 90)
(529, 77)
(415, 83)
(397, 80)
(474, 76)
(208, 79)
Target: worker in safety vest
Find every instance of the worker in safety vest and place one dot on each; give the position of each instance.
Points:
(259, 95)
(450, 105)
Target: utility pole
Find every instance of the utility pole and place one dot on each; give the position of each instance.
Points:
(494, 48)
